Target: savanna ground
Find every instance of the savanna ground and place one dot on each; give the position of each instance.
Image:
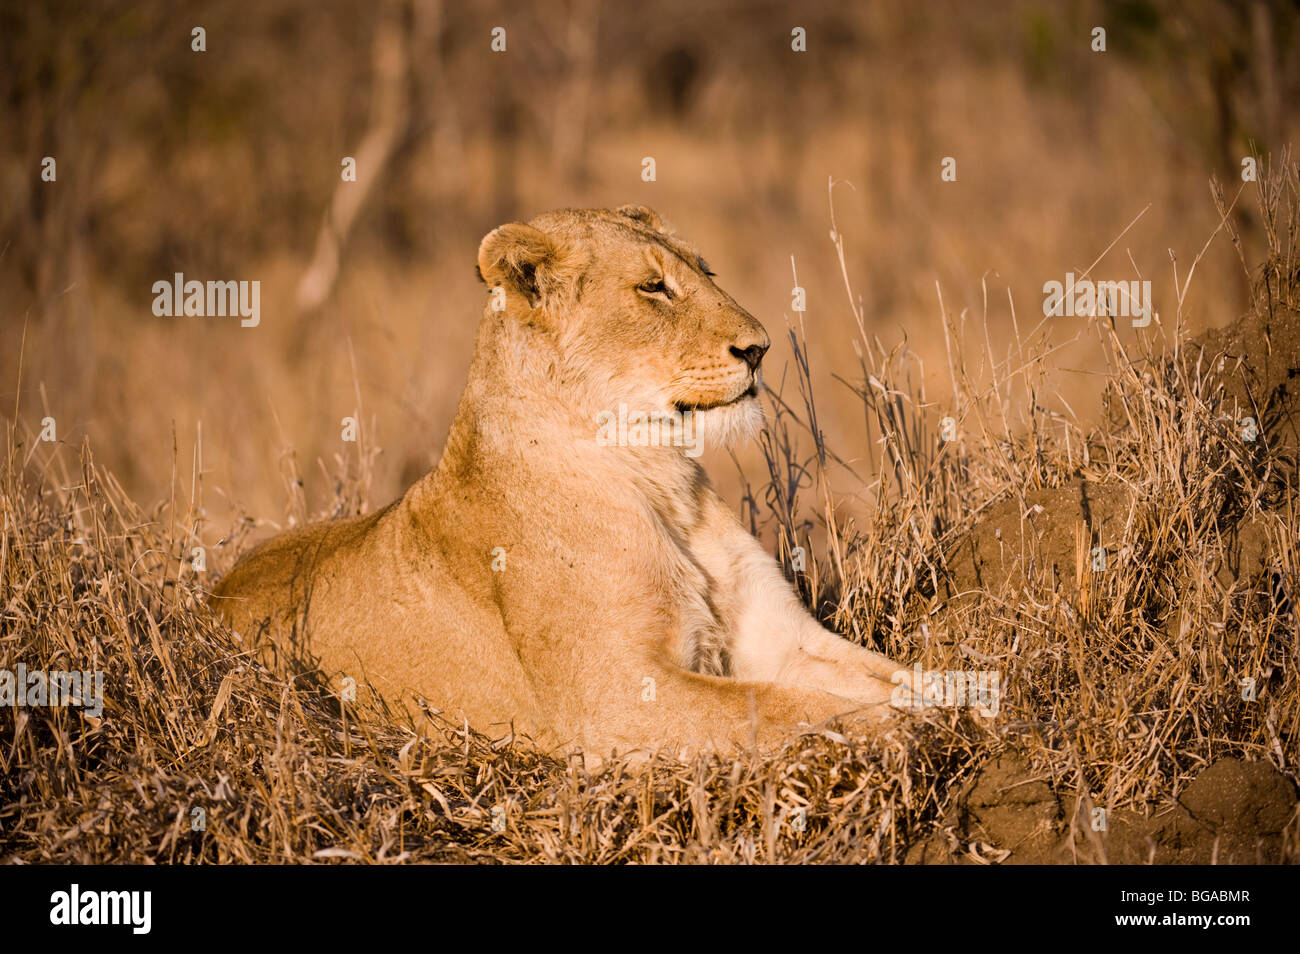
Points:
(1157, 683)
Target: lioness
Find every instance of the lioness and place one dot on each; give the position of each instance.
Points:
(556, 574)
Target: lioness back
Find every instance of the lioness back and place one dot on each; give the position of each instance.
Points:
(273, 578)
(338, 599)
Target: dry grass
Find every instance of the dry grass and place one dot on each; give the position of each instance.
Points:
(1120, 685)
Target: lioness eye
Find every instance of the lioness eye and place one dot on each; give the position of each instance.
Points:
(655, 286)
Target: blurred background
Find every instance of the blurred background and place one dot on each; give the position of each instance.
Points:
(224, 164)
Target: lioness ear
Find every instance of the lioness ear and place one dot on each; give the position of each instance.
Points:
(644, 215)
(526, 260)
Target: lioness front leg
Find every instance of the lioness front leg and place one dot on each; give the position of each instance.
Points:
(775, 638)
(690, 713)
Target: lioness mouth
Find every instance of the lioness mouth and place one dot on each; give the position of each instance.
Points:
(687, 406)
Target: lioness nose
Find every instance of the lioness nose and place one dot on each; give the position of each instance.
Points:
(751, 355)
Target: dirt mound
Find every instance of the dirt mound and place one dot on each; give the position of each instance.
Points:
(1234, 812)
(1253, 367)
(1044, 542)
(1053, 530)
(1059, 531)
(1257, 359)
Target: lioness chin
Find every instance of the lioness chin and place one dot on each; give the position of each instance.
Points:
(567, 571)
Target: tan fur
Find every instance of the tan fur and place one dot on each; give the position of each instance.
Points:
(593, 597)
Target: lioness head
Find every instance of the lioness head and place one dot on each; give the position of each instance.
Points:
(633, 314)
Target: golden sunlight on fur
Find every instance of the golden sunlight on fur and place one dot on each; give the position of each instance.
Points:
(567, 570)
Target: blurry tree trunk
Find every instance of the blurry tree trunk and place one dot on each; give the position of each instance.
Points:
(572, 106)
(437, 109)
(1265, 59)
(505, 148)
(389, 118)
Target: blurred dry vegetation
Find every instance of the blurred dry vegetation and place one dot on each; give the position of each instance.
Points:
(225, 165)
